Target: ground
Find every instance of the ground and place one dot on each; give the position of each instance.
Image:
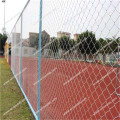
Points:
(12, 103)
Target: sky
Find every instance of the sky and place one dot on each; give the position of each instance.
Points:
(13, 9)
(73, 16)
(76, 16)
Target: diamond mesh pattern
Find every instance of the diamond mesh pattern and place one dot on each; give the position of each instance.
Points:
(80, 58)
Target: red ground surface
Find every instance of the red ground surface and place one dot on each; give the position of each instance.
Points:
(72, 90)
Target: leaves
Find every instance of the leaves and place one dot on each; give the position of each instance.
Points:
(3, 39)
(66, 43)
(109, 45)
(54, 46)
(88, 43)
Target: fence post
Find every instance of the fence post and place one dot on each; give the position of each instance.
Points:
(14, 47)
(21, 54)
(8, 53)
(39, 59)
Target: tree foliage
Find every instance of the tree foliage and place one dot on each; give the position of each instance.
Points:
(3, 39)
(87, 43)
(102, 46)
(113, 47)
(54, 46)
(108, 45)
(66, 43)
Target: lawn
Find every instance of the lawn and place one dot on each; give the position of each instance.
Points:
(12, 103)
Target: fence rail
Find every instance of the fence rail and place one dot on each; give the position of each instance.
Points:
(65, 56)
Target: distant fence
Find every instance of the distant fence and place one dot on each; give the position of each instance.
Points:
(65, 56)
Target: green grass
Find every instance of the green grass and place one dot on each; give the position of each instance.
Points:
(10, 95)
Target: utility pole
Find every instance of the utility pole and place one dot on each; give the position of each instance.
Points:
(4, 17)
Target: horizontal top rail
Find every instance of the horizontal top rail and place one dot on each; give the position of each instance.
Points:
(20, 15)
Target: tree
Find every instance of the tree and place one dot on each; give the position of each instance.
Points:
(113, 47)
(103, 49)
(87, 43)
(108, 46)
(1, 42)
(65, 43)
(3, 39)
(54, 46)
(72, 45)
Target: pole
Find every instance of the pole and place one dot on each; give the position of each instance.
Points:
(14, 34)
(21, 52)
(4, 17)
(39, 61)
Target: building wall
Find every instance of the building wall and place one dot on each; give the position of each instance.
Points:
(76, 36)
(61, 34)
(33, 36)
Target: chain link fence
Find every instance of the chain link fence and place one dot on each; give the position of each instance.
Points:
(67, 59)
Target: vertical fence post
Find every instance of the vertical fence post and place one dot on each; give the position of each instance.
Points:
(8, 53)
(39, 59)
(21, 54)
(14, 34)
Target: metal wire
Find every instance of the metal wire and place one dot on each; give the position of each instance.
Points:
(78, 46)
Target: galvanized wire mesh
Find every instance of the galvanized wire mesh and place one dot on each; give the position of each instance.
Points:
(80, 61)
(24, 61)
(80, 58)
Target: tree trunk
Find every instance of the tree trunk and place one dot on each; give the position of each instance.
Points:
(54, 55)
(85, 57)
(104, 58)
